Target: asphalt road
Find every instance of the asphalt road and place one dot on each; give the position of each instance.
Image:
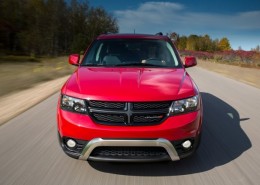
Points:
(229, 151)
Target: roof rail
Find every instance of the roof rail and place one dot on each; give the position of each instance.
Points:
(159, 33)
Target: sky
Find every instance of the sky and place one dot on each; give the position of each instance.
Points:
(238, 20)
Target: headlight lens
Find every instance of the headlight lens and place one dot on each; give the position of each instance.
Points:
(185, 105)
(73, 104)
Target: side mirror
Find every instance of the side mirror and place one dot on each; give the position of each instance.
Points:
(190, 61)
(74, 59)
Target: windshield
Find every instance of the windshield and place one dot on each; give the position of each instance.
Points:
(131, 52)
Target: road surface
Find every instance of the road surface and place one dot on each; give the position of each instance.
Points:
(229, 151)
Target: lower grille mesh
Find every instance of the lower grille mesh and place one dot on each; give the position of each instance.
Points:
(129, 152)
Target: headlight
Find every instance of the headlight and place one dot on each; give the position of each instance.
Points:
(185, 105)
(73, 104)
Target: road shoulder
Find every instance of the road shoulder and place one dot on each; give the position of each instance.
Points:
(14, 104)
(248, 76)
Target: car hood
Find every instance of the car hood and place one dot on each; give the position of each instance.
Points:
(129, 84)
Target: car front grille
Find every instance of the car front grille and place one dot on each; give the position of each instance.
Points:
(151, 105)
(107, 105)
(129, 152)
(109, 118)
(125, 113)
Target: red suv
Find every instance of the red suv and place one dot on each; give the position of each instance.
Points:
(130, 99)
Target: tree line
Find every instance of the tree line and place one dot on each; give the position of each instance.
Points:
(200, 43)
(51, 27)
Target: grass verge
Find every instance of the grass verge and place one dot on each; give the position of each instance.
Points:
(18, 73)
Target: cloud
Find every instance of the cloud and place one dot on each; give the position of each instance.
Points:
(153, 6)
(248, 20)
(149, 13)
(150, 17)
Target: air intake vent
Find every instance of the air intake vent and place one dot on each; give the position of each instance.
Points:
(129, 152)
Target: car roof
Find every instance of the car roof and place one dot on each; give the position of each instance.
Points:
(132, 36)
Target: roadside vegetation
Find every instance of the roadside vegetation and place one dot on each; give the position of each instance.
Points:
(218, 50)
(35, 34)
(17, 73)
(240, 58)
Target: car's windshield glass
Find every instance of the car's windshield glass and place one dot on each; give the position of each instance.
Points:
(131, 52)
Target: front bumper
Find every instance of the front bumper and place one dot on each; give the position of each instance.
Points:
(129, 143)
(82, 127)
(141, 150)
(98, 142)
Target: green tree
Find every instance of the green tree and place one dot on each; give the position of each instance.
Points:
(215, 45)
(99, 21)
(56, 27)
(182, 43)
(30, 36)
(87, 23)
(78, 13)
(192, 43)
(11, 22)
(51, 27)
(205, 43)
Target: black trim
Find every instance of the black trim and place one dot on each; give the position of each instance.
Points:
(183, 153)
(162, 158)
(75, 152)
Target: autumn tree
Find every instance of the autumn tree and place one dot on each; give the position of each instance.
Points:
(200, 43)
(224, 44)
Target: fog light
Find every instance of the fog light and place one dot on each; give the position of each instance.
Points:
(71, 143)
(186, 144)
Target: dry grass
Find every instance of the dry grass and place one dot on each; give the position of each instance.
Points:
(18, 74)
(249, 76)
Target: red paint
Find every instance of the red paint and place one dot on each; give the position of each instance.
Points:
(130, 84)
(174, 128)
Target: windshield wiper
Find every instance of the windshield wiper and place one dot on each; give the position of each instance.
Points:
(91, 65)
(138, 64)
(123, 64)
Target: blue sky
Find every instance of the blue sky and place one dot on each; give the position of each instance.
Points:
(238, 20)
